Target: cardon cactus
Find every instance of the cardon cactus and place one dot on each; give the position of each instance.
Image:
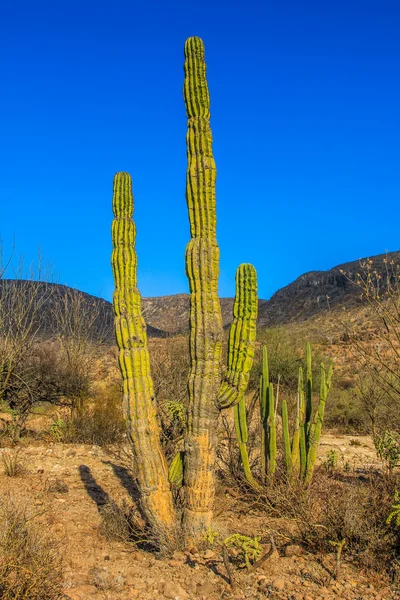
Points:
(139, 403)
(207, 393)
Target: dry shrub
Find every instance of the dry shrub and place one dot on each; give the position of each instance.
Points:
(96, 421)
(335, 508)
(30, 566)
(119, 522)
(124, 522)
(12, 462)
(170, 369)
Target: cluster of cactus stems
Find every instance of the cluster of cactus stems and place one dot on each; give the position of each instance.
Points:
(209, 391)
(300, 449)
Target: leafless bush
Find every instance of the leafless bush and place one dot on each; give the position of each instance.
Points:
(170, 368)
(98, 420)
(378, 354)
(30, 565)
(336, 508)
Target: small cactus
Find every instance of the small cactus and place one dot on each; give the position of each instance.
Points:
(300, 450)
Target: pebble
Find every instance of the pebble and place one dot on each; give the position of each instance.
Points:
(206, 589)
(279, 584)
(174, 591)
(81, 592)
(208, 554)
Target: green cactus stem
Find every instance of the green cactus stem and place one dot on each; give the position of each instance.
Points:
(309, 383)
(263, 393)
(271, 466)
(286, 438)
(298, 424)
(315, 431)
(138, 394)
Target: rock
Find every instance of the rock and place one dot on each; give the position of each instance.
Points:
(194, 550)
(139, 556)
(57, 486)
(174, 563)
(140, 585)
(174, 591)
(279, 584)
(71, 453)
(208, 554)
(206, 589)
(82, 592)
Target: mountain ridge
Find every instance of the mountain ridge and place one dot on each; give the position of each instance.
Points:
(307, 295)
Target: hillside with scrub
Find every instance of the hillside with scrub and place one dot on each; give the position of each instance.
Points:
(192, 447)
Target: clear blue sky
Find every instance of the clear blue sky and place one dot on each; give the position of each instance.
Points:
(305, 105)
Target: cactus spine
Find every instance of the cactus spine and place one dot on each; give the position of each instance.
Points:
(206, 394)
(138, 396)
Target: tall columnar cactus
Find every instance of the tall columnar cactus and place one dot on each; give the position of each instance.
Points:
(139, 402)
(206, 394)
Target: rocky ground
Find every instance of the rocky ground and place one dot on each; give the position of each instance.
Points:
(71, 484)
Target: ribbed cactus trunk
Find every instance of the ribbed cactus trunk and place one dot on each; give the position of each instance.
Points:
(138, 398)
(202, 267)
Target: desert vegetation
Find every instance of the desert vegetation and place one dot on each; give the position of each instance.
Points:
(150, 469)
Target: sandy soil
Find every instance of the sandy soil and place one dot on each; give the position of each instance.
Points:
(73, 483)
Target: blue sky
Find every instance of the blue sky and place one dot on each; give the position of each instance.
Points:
(305, 103)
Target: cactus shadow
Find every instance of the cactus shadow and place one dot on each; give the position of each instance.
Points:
(126, 479)
(212, 565)
(93, 489)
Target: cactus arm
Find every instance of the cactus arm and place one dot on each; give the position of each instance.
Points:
(138, 395)
(286, 438)
(318, 421)
(271, 431)
(242, 338)
(202, 268)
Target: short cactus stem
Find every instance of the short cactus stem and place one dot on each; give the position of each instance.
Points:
(271, 431)
(316, 429)
(286, 438)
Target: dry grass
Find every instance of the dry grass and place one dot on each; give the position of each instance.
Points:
(30, 566)
(12, 462)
